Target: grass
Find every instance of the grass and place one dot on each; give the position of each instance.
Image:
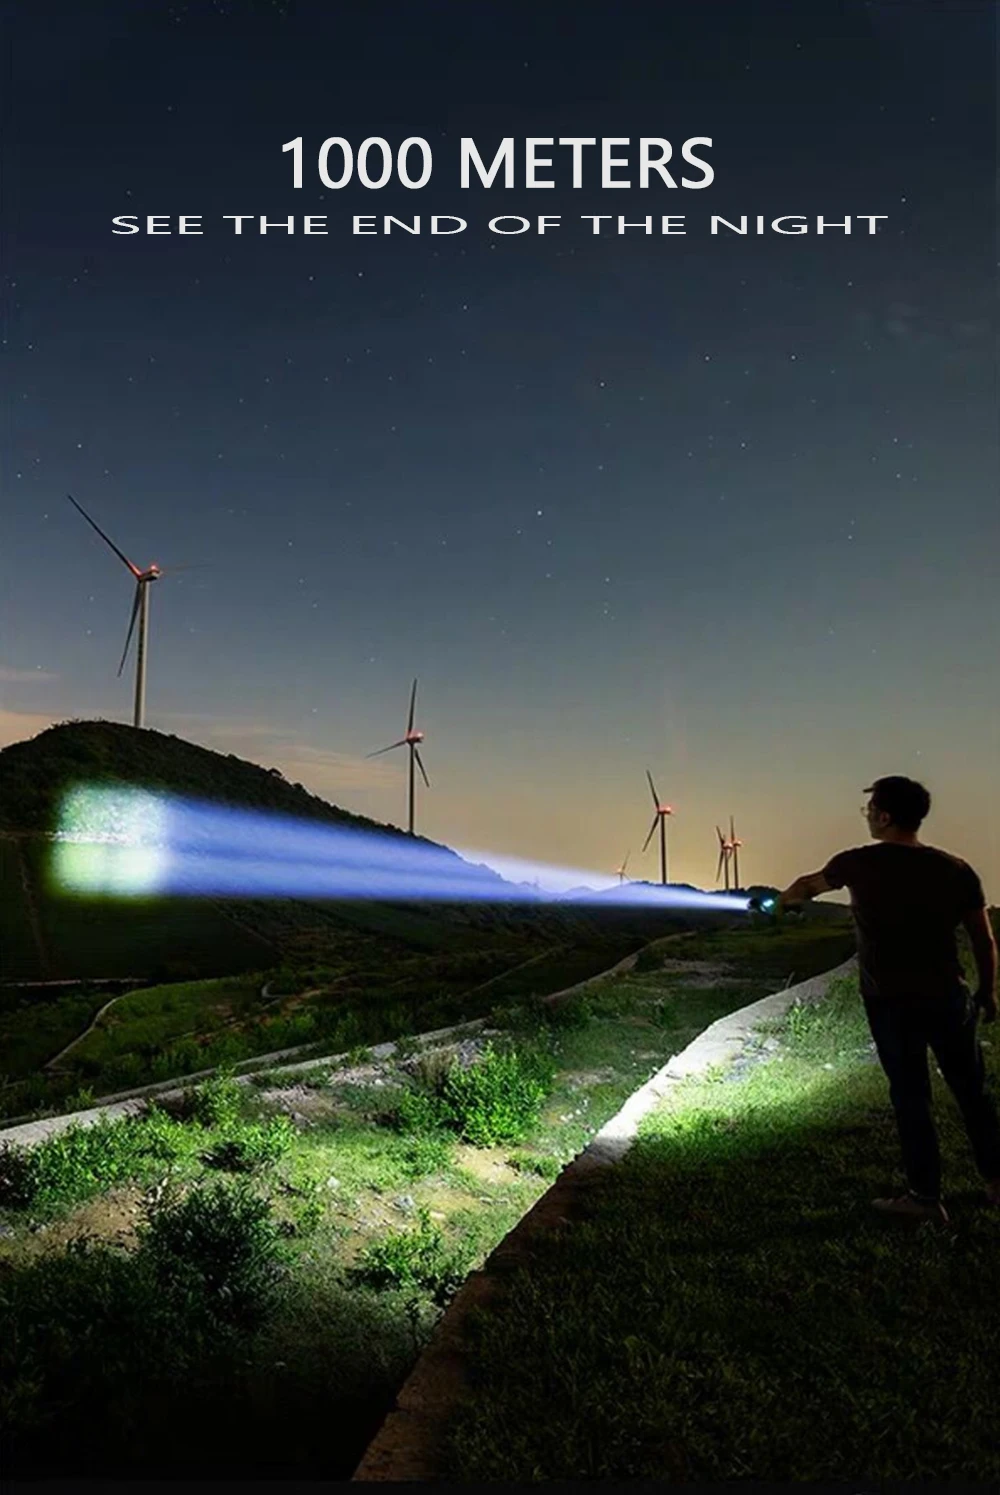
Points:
(378, 1224)
(736, 1310)
(150, 1019)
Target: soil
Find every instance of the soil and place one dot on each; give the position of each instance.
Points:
(112, 1218)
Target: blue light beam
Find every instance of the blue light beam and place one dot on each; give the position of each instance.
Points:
(136, 843)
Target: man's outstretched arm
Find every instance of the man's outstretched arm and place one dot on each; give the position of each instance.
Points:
(984, 949)
(804, 888)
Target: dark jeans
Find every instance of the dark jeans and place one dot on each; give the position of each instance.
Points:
(903, 1031)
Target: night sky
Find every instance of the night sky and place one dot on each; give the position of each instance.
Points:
(720, 507)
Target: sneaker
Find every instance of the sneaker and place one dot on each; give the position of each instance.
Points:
(909, 1207)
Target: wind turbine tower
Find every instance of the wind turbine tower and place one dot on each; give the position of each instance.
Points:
(412, 741)
(660, 818)
(140, 610)
(735, 843)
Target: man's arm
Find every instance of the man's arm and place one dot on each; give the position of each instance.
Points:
(984, 948)
(804, 888)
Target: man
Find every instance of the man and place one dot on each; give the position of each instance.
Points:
(908, 899)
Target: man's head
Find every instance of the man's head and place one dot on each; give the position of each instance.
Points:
(896, 804)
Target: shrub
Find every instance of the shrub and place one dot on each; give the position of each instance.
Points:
(500, 1096)
(431, 1070)
(254, 1145)
(70, 1167)
(81, 1330)
(536, 1162)
(411, 1259)
(572, 1012)
(419, 1111)
(18, 1177)
(220, 1245)
(218, 1102)
(423, 1154)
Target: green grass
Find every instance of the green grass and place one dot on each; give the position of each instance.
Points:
(149, 1019)
(736, 1311)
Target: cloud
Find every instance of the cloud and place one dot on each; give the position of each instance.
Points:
(10, 676)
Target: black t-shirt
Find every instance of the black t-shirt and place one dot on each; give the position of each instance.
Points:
(907, 903)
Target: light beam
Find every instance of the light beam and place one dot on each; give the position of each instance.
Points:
(123, 842)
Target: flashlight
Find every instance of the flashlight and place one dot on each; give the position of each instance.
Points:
(763, 903)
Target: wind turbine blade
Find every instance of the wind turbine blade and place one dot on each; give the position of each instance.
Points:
(652, 828)
(134, 569)
(722, 839)
(625, 863)
(131, 624)
(652, 789)
(718, 870)
(413, 705)
(420, 765)
(400, 743)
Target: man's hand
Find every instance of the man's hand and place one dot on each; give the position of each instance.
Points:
(986, 1000)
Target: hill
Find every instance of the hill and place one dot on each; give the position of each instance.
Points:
(35, 775)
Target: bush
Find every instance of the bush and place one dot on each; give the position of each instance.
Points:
(18, 1181)
(411, 1259)
(419, 1111)
(538, 1163)
(221, 1245)
(82, 1161)
(425, 1154)
(430, 1069)
(83, 1331)
(219, 1101)
(572, 1012)
(500, 1096)
(254, 1145)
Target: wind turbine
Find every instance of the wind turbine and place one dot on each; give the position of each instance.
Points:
(662, 811)
(140, 610)
(621, 869)
(734, 844)
(412, 741)
(725, 852)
